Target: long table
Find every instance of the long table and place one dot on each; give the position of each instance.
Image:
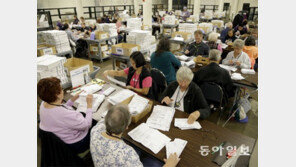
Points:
(210, 135)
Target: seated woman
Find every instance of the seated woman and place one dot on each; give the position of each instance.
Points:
(212, 41)
(75, 21)
(225, 31)
(230, 37)
(240, 29)
(238, 57)
(138, 77)
(186, 96)
(251, 49)
(165, 61)
(214, 73)
(108, 149)
(61, 119)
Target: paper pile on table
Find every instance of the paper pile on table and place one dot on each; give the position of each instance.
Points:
(189, 64)
(169, 20)
(218, 23)
(176, 146)
(140, 37)
(228, 68)
(183, 125)
(51, 66)
(110, 28)
(120, 96)
(161, 117)
(57, 38)
(134, 23)
(187, 27)
(90, 22)
(82, 104)
(208, 14)
(207, 27)
(218, 14)
(137, 104)
(248, 71)
(150, 138)
(124, 16)
(237, 76)
(183, 58)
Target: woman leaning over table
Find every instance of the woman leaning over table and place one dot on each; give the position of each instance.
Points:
(60, 119)
(238, 57)
(138, 77)
(186, 96)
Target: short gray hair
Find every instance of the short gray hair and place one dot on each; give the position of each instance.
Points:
(229, 24)
(214, 55)
(213, 37)
(184, 73)
(239, 43)
(117, 119)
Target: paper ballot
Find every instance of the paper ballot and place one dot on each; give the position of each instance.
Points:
(183, 58)
(161, 117)
(176, 146)
(97, 101)
(229, 68)
(237, 76)
(189, 64)
(109, 91)
(183, 125)
(248, 71)
(137, 104)
(120, 96)
(150, 138)
(116, 81)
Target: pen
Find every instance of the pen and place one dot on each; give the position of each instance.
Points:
(221, 145)
(76, 87)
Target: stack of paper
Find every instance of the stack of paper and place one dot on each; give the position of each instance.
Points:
(228, 68)
(237, 76)
(207, 27)
(161, 117)
(57, 38)
(134, 23)
(137, 104)
(176, 146)
(178, 39)
(116, 81)
(187, 27)
(169, 20)
(209, 14)
(82, 104)
(189, 64)
(183, 58)
(51, 66)
(183, 125)
(218, 23)
(248, 71)
(150, 138)
(90, 89)
(140, 37)
(109, 91)
(120, 96)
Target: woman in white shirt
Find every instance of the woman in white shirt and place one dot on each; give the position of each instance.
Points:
(238, 57)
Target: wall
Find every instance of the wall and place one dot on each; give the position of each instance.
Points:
(253, 3)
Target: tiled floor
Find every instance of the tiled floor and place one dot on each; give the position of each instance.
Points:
(249, 129)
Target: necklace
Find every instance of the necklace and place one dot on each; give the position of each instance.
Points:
(109, 134)
(177, 103)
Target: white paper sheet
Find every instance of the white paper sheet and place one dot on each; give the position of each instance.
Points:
(183, 58)
(189, 64)
(161, 117)
(176, 146)
(90, 89)
(108, 91)
(120, 96)
(97, 101)
(150, 138)
(237, 76)
(137, 104)
(229, 68)
(183, 125)
(116, 81)
(248, 71)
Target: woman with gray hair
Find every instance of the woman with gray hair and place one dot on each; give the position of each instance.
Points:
(238, 57)
(186, 96)
(108, 149)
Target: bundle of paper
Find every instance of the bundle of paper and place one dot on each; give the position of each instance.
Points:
(90, 89)
(120, 96)
(82, 104)
(228, 68)
(57, 38)
(169, 20)
(134, 23)
(237, 76)
(248, 71)
(176, 146)
(116, 81)
(183, 58)
(183, 125)
(187, 27)
(137, 104)
(150, 138)
(161, 117)
(189, 64)
(178, 39)
(109, 91)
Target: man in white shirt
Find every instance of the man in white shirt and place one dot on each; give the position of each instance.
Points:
(237, 57)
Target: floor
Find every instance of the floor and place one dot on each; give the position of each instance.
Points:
(249, 129)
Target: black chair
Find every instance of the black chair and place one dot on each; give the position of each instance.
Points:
(213, 93)
(158, 83)
(54, 152)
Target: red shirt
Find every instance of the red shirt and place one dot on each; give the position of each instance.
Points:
(146, 83)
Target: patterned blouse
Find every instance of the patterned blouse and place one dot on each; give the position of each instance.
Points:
(108, 152)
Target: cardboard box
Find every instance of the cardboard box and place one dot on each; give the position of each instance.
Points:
(101, 35)
(145, 27)
(104, 47)
(168, 31)
(46, 49)
(94, 49)
(74, 63)
(201, 60)
(185, 35)
(106, 53)
(125, 49)
(136, 118)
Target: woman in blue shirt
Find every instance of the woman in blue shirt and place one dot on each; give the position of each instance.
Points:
(165, 61)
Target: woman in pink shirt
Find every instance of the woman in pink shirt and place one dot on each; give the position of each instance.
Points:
(61, 119)
(138, 77)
